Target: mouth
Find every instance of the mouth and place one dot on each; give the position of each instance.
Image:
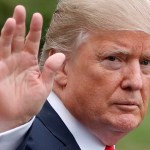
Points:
(127, 106)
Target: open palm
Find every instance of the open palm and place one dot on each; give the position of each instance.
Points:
(23, 87)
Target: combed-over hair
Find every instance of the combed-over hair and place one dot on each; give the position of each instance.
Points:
(73, 19)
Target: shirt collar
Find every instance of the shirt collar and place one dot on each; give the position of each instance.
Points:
(83, 137)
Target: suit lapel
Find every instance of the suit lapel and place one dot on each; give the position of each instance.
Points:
(55, 125)
(72, 146)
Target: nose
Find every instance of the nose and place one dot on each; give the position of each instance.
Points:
(132, 77)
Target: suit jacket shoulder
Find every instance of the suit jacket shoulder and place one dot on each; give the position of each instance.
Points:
(48, 132)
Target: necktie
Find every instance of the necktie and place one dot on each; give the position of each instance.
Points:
(109, 148)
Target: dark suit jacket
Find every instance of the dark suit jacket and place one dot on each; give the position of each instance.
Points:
(48, 132)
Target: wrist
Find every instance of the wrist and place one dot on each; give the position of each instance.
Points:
(6, 125)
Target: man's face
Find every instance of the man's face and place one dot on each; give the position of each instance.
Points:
(109, 82)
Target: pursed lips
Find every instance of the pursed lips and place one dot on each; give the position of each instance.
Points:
(128, 104)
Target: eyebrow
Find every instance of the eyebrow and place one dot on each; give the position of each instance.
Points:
(114, 51)
(146, 55)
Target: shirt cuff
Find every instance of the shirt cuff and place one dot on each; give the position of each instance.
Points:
(11, 139)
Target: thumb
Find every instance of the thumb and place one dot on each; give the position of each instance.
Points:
(52, 64)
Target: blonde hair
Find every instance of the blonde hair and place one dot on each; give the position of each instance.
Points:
(74, 18)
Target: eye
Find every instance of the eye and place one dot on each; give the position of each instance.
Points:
(145, 62)
(111, 58)
(112, 62)
(145, 66)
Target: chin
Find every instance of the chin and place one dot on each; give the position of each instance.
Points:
(126, 123)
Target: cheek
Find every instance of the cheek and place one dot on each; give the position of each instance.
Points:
(93, 89)
(146, 94)
(99, 82)
(102, 83)
(146, 90)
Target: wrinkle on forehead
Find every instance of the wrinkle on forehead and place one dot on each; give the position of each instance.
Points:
(129, 41)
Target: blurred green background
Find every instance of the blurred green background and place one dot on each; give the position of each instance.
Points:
(139, 139)
(45, 7)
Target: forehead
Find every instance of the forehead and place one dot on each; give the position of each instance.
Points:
(132, 41)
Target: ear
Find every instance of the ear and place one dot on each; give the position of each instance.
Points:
(61, 75)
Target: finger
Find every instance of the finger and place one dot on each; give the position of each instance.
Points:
(33, 38)
(6, 37)
(19, 34)
(52, 64)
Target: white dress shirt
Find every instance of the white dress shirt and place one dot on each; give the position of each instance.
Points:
(83, 137)
(11, 139)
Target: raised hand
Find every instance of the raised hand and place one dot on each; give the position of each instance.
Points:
(23, 87)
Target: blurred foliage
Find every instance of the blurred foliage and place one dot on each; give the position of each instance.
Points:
(45, 7)
(136, 140)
